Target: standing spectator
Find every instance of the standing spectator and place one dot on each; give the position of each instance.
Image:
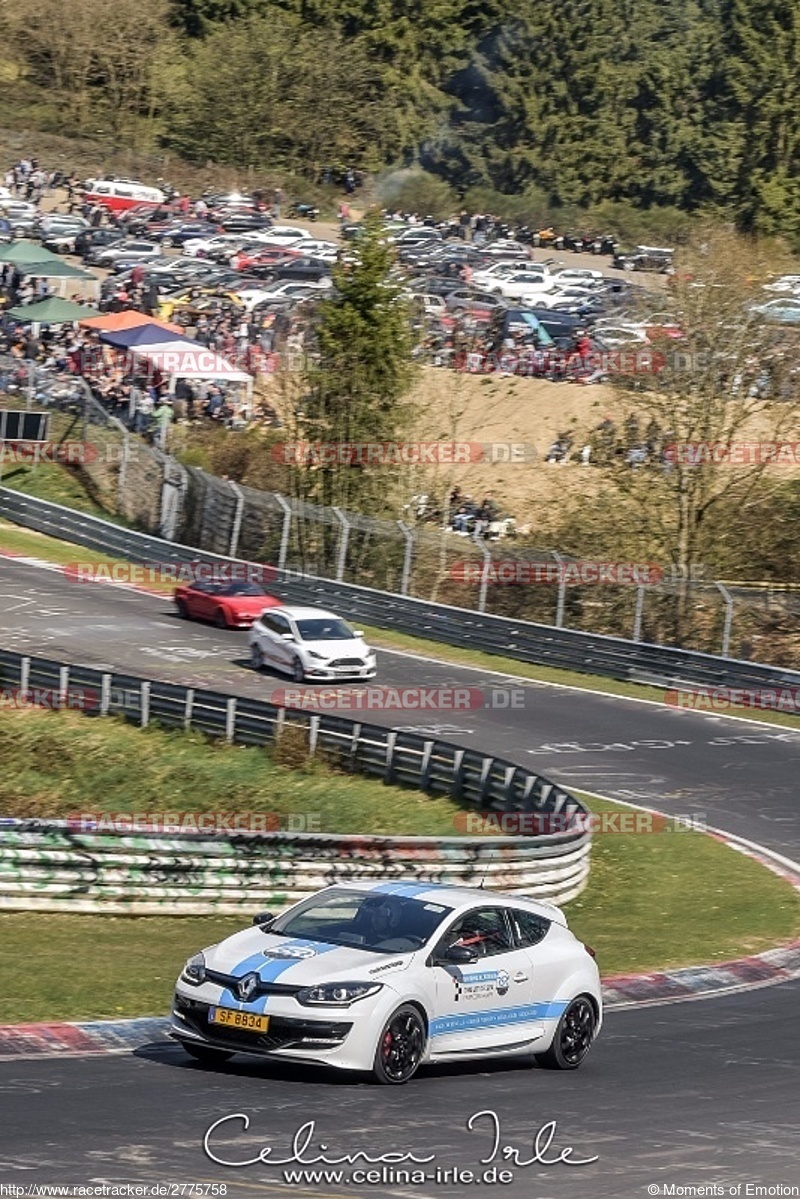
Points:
(163, 416)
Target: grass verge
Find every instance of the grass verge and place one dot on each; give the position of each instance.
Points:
(653, 901)
(15, 540)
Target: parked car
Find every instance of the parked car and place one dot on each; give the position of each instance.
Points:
(310, 643)
(90, 239)
(385, 976)
(464, 300)
(178, 234)
(23, 217)
(242, 222)
(783, 311)
(124, 253)
(646, 258)
(59, 233)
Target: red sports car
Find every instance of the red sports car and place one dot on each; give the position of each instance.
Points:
(228, 605)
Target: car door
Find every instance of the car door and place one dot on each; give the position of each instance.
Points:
(269, 636)
(550, 959)
(199, 601)
(485, 1004)
(283, 650)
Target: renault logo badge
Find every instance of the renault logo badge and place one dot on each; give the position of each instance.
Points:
(247, 986)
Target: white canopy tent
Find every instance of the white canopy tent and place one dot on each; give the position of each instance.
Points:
(188, 360)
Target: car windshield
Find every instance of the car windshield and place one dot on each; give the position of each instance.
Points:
(240, 589)
(324, 629)
(369, 920)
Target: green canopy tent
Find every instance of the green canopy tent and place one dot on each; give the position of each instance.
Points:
(60, 270)
(52, 311)
(21, 253)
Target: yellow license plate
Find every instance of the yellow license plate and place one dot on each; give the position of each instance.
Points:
(233, 1019)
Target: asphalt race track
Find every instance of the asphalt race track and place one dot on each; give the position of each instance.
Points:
(685, 1094)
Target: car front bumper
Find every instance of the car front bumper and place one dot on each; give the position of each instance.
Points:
(341, 1037)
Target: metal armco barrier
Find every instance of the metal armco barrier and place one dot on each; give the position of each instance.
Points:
(590, 653)
(49, 866)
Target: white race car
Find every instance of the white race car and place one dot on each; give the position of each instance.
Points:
(383, 977)
(310, 643)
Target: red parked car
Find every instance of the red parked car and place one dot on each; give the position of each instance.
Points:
(227, 605)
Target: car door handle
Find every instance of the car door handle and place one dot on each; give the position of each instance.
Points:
(520, 978)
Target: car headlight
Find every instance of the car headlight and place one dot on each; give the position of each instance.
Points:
(194, 972)
(336, 994)
(313, 654)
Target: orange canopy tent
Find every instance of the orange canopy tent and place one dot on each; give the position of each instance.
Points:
(113, 322)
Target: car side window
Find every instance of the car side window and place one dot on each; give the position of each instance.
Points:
(276, 624)
(486, 930)
(529, 929)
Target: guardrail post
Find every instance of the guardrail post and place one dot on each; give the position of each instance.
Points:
(188, 707)
(562, 589)
(390, 744)
(726, 631)
(24, 675)
(458, 764)
(230, 718)
(237, 518)
(425, 765)
(343, 542)
(637, 619)
(105, 694)
(407, 556)
(313, 735)
(63, 685)
(286, 529)
(144, 705)
(487, 562)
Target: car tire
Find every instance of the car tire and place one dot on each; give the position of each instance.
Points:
(401, 1047)
(19, 232)
(183, 611)
(220, 619)
(167, 243)
(298, 671)
(573, 1037)
(205, 1054)
(256, 657)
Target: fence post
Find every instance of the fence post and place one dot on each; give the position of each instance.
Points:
(637, 620)
(343, 542)
(487, 562)
(237, 518)
(408, 555)
(726, 631)
(285, 530)
(562, 590)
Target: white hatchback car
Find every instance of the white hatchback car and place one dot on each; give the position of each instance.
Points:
(310, 643)
(386, 976)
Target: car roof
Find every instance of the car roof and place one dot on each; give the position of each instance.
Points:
(452, 896)
(300, 612)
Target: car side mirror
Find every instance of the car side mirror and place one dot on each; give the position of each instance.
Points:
(287, 636)
(264, 919)
(460, 955)
(358, 632)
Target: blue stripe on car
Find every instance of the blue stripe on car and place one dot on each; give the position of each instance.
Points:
(268, 970)
(468, 1021)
